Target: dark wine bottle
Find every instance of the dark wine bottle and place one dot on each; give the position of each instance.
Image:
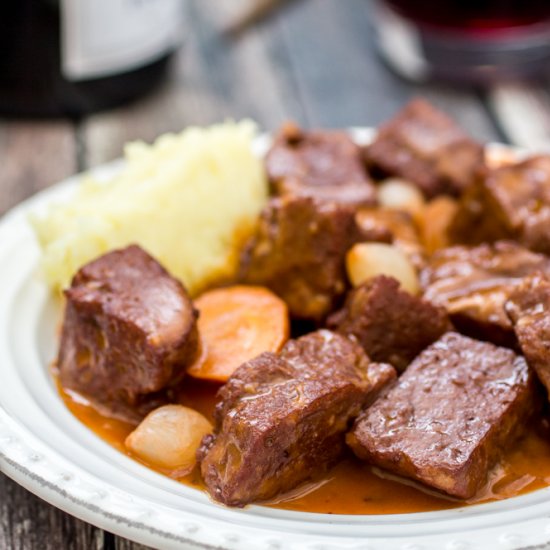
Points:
(73, 57)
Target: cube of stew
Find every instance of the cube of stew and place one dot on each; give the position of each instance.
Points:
(423, 145)
(512, 202)
(449, 416)
(299, 253)
(473, 284)
(392, 325)
(282, 418)
(529, 310)
(128, 334)
(323, 164)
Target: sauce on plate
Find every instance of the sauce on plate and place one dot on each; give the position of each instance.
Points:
(353, 487)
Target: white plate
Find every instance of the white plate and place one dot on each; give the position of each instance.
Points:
(45, 449)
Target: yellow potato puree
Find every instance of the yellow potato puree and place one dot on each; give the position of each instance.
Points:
(189, 200)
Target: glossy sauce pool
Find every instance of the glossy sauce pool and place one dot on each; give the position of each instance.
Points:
(353, 487)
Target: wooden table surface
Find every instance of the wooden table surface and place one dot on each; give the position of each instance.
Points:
(313, 61)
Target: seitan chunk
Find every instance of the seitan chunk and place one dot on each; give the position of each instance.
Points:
(448, 418)
(282, 418)
(473, 283)
(392, 325)
(299, 253)
(324, 164)
(426, 147)
(512, 202)
(128, 334)
(529, 310)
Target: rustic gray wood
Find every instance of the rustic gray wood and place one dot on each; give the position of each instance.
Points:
(27, 522)
(313, 62)
(33, 155)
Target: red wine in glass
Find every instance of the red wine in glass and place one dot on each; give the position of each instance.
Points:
(477, 41)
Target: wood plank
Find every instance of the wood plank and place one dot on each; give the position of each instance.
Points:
(256, 75)
(28, 523)
(33, 155)
(124, 544)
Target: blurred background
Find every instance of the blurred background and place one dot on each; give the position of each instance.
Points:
(79, 78)
(171, 63)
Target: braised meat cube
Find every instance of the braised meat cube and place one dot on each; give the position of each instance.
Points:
(426, 147)
(512, 202)
(473, 283)
(299, 253)
(449, 416)
(529, 310)
(392, 325)
(282, 418)
(325, 164)
(391, 226)
(128, 334)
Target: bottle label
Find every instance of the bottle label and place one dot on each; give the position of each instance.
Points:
(104, 37)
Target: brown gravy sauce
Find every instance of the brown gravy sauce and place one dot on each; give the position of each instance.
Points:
(352, 487)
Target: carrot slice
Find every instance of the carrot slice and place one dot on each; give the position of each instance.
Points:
(436, 220)
(236, 324)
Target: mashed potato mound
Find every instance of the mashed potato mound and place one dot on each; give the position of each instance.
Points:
(189, 200)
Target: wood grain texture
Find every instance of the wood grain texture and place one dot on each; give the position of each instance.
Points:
(33, 155)
(29, 523)
(26, 522)
(312, 61)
